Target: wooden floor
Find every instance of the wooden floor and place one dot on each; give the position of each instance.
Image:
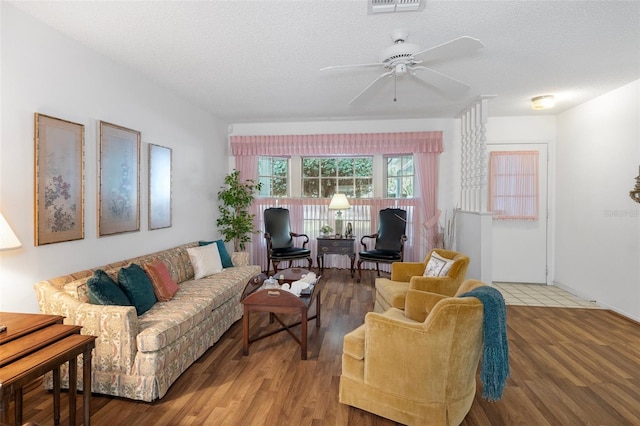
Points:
(568, 367)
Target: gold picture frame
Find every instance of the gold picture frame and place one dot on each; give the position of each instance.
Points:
(160, 175)
(119, 180)
(59, 180)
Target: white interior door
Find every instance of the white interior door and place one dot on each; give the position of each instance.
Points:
(520, 246)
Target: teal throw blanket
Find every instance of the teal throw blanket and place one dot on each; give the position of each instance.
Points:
(495, 355)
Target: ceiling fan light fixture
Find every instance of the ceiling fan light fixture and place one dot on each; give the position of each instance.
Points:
(407, 5)
(387, 6)
(543, 102)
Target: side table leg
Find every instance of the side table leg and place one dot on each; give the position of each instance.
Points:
(303, 333)
(56, 396)
(4, 409)
(17, 398)
(318, 311)
(245, 332)
(86, 386)
(73, 384)
(353, 261)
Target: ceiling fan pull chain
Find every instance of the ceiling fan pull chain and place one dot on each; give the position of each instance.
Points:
(395, 81)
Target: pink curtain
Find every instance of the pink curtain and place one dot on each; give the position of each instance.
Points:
(248, 167)
(513, 184)
(426, 170)
(308, 215)
(337, 144)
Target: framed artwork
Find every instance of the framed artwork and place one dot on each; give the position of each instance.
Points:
(59, 180)
(119, 180)
(159, 187)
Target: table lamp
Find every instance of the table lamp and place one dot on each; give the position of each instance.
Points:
(8, 239)
(339, 202)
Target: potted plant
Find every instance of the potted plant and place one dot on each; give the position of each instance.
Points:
(326, 230)
(235, 222)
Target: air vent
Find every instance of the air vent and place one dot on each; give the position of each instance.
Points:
(386, 6)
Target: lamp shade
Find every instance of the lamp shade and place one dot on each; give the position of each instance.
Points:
(339, 202)
(8, 239)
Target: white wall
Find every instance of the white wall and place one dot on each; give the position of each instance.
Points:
(473, 238)
(43, 71)
(597, 224)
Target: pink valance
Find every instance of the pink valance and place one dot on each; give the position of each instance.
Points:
(337, 144)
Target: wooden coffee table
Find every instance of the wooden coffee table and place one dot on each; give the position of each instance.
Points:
(276, 301)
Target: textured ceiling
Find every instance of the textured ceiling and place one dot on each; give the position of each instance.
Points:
(255, 61)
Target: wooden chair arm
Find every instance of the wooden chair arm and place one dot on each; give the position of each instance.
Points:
(372, 236)
(305, 236)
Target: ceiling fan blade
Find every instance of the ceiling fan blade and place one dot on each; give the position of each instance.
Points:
(449, 86)
(456, 47)
(380, 77)
(352, 66)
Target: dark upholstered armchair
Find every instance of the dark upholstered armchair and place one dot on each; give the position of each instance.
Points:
(389, 240)
(277, 232)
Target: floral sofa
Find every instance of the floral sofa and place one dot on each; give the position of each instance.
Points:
(139, 357)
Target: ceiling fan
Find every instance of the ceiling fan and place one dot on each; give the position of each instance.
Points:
(404, 58)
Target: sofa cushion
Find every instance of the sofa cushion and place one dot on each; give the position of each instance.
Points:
(393, 293)
(205, 260)
(437, 266)
(164, 286)
(137, 287)
(222, 250)
(166, 322)
(103, 290)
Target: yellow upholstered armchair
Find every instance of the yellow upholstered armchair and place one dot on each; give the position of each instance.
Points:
(405, 275)
(416, 366)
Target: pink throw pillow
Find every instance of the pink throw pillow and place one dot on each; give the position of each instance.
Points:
(163, 284)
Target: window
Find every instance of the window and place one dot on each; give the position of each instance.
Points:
(513, 184)
(322, 177)
(399, 177)
(273, 174)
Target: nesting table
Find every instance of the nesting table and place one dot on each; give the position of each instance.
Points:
(34, 344)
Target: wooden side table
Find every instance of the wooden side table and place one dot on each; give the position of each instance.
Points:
(33, 345)
(333, 245)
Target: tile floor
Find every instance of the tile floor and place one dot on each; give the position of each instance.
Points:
(541, 295)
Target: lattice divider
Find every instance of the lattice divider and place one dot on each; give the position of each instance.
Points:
(474, 164)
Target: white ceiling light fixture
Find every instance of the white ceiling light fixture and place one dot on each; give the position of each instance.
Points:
(543, 102)
(387, 6)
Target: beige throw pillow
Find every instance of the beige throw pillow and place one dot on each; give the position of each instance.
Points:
(205, 260)
(437, 266)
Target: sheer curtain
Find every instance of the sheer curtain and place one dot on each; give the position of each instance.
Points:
(309, 214)
(426, 165)
(513, 184)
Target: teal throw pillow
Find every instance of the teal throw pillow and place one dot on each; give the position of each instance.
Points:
(103, 290)
(222, 249)
(138, 287)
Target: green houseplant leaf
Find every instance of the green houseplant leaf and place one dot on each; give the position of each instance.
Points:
(235, 222)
